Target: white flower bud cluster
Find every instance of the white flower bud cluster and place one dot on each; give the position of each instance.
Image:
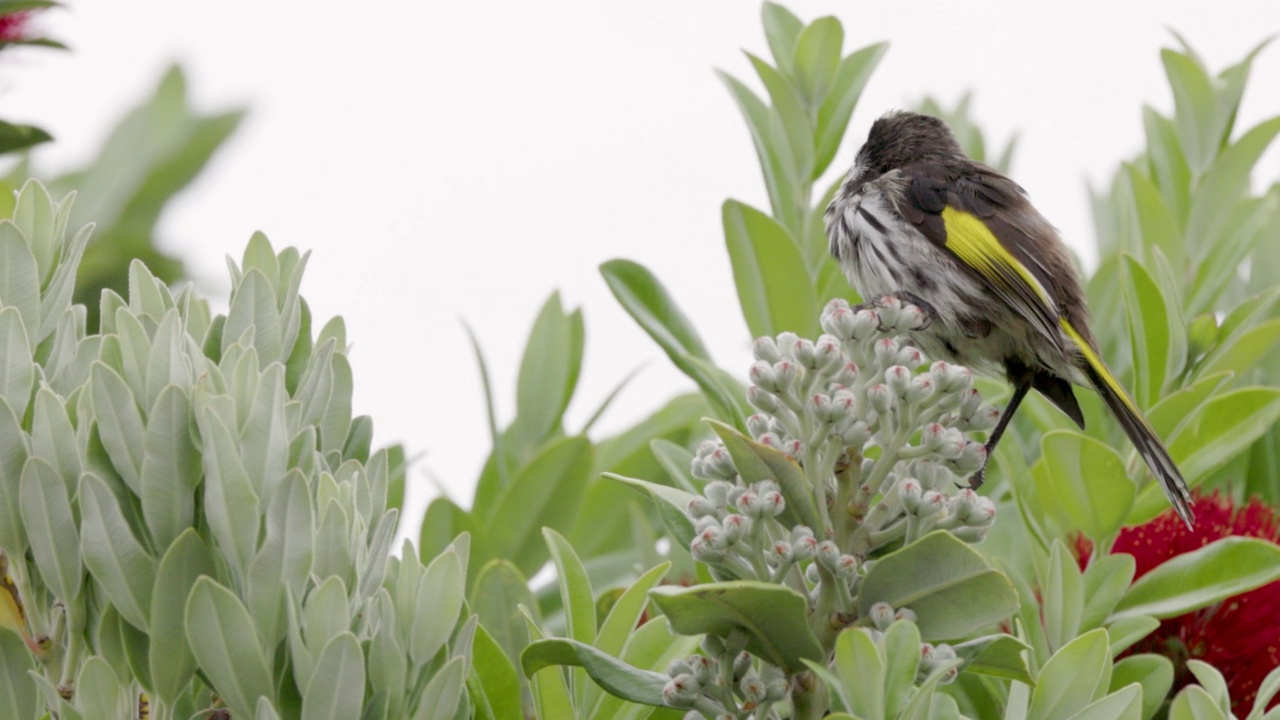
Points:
(725, 514)
(932, 657)
(696, 681)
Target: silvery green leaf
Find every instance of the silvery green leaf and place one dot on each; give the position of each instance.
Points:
(292, 266)
(325, 614)
(135, 350)
(332, 543)
(336, 329)
(230, 503)
(253, 306)
(264, 440)
(73, 371)
(170, 467)
(167, 365)
(336, 689)
(259, 255)
(359, 438)
(375, 567)
(51, 527)
(1064, 597)
(302, 659)
(13, 455)
(98, 692)
(439, 599)
(111, 552)
(34, 214)
(387, 663)
(225, 645)
(18, 697)
(19, 277)
(316, 384)
(172, 663)
(440, 699)
(57, 295)
(302, 450)
(147, 294)
(119, 424)
(377, 473)
(50, 430)
(337, 415)
(245, 374)
(266, 711)
(109, 305)
(17, 371)
(53, 698)
(408, 576)
(136, 645)
(284, 561)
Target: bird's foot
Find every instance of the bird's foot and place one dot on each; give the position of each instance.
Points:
(902, 309)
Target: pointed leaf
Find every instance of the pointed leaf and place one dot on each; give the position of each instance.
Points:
(114, 556)
(224, 643)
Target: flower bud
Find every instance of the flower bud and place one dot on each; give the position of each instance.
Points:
(911, 357)
(914, 318)
(811, 574)
(771, 440)
(881, 615)
(931, 503)
(905, 614)
(866, 322)
(757, 425)
(717, 492)
(781, 552)
(956, 379)
(702, 552)
(766, 350)
(962, 503)
(699, 507)
(681, 691)
(678, 667)
(704, 668)
(804, 548)
(741, 664)
(762, 400)
(714, 537)
(828, 554)
(898, 378)
(827, 353)
(753, 689)
(970, 402)
(750, 504)
(952, 444)
(856, 435)
(774, 503)
(984, 418)
(712, 645)
(794, 448)
(981, 512)
(971, 457)
(786, 344)
(775, 683)
(910, 491)
(886, 352)
(719, 464)
(705, 448)
(846, 567)
(805, 353)
(970, 534)
(820, 406)
(845, 376)
(838, 321)
(881, 398)
(921, 389)
(735, 526)
(785, 373)
(932, 436)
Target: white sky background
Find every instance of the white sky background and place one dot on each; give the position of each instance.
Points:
(463, 160)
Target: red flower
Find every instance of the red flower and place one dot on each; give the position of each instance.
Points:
(1239, 636)
(11, 25)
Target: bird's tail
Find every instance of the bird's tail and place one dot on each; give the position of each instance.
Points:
(1135, 426)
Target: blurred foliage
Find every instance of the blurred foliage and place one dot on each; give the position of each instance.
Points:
(968, 133)
(151, 154)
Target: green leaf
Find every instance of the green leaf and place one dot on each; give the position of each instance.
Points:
(111, 552)
(1064, 597)
(1153, 672)
(647, 301)
(1213, 683)
(774, 617)
(774, 286)
(1127, 631)
(1122, 704)
(575, 597)
(861, 671)
(172, 663)
(283, 562)
(98, 691)
(1226, 180)
(1169, 415)
(1086, 483)
(549, 370)
(18, 697)
(951, 588)
(902, 665)
(756, 462)
(627, 611)
(230, 504)
(17, 371)
(442, 589)
(1194, 106)
(671, 503)
(13, 456)
(19, 276)
(1152, 323)
(818, 59)
(336, 689)
(55, 541)
(1105, 581)
(999, 655)
(170, 467)
(615, 676)
(1193, 703)
(120, 424)
(226, 646)
(1156, 221)
(1075, 676)
(545, 493)
(1243, 352)
(20, 137)
(496, 676)
(652, 647)
(499, 589)
(790, 136)
(785, 197)
(1202, 577)
(782, 29)
(441, 697)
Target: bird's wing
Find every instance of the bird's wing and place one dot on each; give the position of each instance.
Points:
(973, 220)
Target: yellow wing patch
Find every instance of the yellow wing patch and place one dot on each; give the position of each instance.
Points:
(974, 243)
(1098, 366)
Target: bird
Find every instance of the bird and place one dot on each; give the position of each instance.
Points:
(917, 219)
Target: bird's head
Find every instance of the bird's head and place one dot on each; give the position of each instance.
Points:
(901, 138)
